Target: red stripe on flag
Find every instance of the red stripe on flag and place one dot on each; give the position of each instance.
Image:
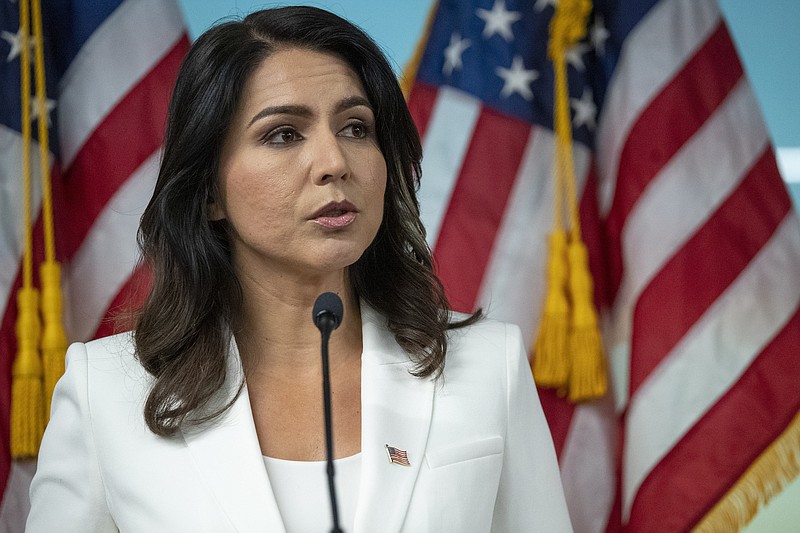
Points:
(8, 352)
(676, 114)
(114, 150)
(477, 205)
(558, 412)
(595, 239)
(420, 104)
(719, 448)
(736, 232)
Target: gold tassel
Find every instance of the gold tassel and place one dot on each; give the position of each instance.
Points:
(550, 367)
(54, 340)
(582, 345)
(27, 409)
(587, 380)
(27, 413)
(764, 479)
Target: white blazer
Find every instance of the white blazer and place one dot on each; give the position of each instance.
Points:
(481, 454)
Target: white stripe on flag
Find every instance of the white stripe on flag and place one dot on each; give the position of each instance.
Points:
(688, 184)
(646, 65)
(712, 356)
(446, 142)
(109, 253)
(12, 231)
(16, 501)
(110, 64)
(588, 465)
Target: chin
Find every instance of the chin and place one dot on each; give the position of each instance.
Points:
(330, 259)
(343, 262)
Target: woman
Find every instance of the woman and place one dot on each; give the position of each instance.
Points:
(289, 169)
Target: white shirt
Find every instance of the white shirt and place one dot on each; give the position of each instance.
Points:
(301, 492)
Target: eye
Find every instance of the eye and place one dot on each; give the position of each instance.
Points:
(282, 135)
(357, 130)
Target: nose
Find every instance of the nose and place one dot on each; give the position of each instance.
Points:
(329, 161)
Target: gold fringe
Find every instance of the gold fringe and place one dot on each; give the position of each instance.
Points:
(27, 407)
(411, 68)
(550, 361)
(54, 340)
(764, 479)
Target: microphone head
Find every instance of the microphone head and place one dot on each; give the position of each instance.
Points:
(327, 309)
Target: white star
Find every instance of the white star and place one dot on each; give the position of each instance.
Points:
(542, 4)
(498, 20)
(49, 105)
(599, 35)
(452, 54)
(574, 56)
(15, 40)
(585, 110)
(517, 79)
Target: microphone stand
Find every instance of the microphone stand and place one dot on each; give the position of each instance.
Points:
(326, 393)
(327, 315)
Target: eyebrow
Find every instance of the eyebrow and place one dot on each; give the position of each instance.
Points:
(305, 111)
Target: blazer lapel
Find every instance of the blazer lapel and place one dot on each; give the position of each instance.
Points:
(228, 455)
(396, 411)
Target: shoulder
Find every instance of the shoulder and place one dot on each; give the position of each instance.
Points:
(120, 345)
(486, 338)
(109, 368)
(489, 352)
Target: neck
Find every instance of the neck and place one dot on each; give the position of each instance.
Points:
(275, 331)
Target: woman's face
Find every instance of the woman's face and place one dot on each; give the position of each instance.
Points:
(301, 178)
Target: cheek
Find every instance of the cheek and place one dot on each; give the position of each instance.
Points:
(375, 191)
(254, 194)
(378, 179)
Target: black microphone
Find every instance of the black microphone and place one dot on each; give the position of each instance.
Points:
(327, 315)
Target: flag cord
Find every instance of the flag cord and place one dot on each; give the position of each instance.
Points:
(27, 413)
(44, 141)
(568, 350)
(54, 339)
(35, 376)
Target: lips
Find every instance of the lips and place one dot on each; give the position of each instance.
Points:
(335, 215)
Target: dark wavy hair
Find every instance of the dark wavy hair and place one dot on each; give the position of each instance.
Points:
(183, 330)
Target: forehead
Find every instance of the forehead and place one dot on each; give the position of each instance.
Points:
(296, 74)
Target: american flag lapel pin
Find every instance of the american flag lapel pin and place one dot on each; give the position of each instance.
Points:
(397, 456)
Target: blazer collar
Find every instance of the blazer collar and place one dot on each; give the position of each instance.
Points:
(396, 411)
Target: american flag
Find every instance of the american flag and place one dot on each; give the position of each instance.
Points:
(397, 456)
(110, 67)
(694, 244)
